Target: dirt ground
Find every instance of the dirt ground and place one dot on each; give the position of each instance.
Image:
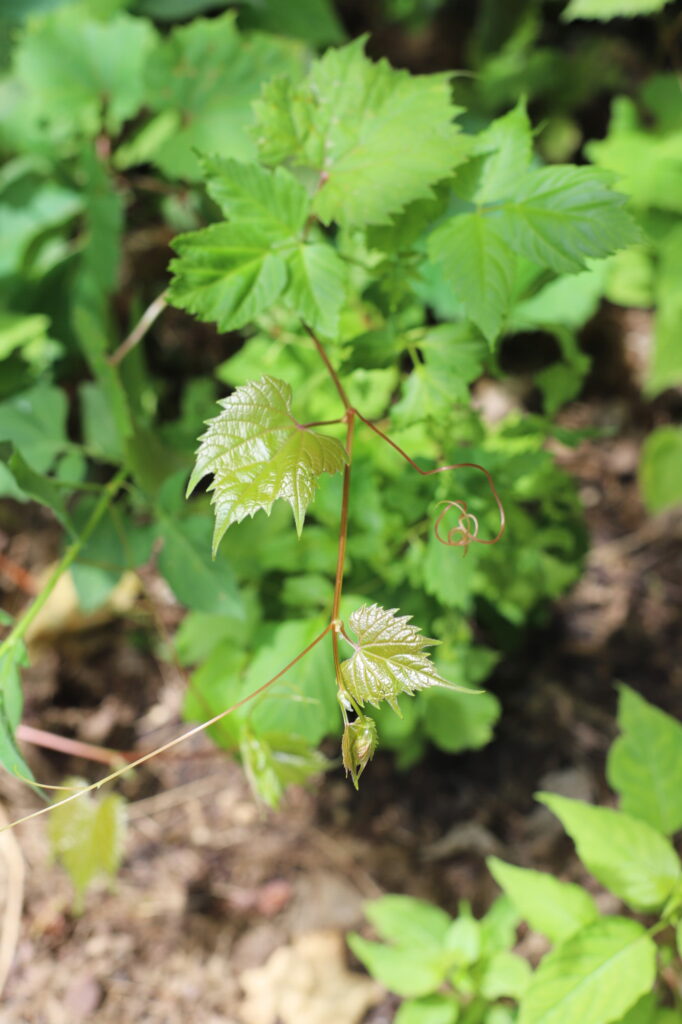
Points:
(224, 913)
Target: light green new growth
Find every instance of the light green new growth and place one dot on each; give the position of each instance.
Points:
(389, 658)
(257, 452)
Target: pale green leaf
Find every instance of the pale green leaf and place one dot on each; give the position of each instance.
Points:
(626, 855)
(479, 265)
(389, 658)
(87, 837)
(501, 154)
(605, 10)
(506, 975)
(554, 908)
(463, 939)
(434, 1009)
(276, 760)
(660, 469)
(645, 762)
(407, 972)
(272, 202)
(257, 452)
(594, 977)
(409, 922)
(561, 216)
(11, 707)
(379, 138)
(317, 286)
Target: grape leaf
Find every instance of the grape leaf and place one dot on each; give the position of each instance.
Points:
(87, 837)
(645, 762)
(594, 977)
(389, 658)
(479, 265)
(257, 452)
(379, 138)
(561, 216)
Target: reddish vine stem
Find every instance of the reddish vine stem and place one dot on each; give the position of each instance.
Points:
(332, 372)
(75, 748)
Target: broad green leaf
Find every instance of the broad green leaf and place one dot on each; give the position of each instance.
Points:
(407, 972)
(11, 707)
(35, 422)
(87, 837)
(434, 1009)
(50, 206)
(594, 977)
(40, 488)
(275, 761)
(498, 926)
(506, 975)
(303, 702)
(660, 469)
(645, 762)
(554, 908)
(201, 82)
(317, 285)
(479, 265)
(228, 273)
(409, 922)
(567, 301)
(257, 452)
(82, 74)
(196, 581)
(605, 10)
(559, 217)
(647, 166)
(389, 658)
(459, 721)
(379, 138)
(643, 1012)
(627, 856)
(463, 939)
(272, 202)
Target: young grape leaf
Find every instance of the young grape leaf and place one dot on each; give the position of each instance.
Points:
(594, 977)
(645, 762)
(257, 452)
(379, 138)
(87, 837)
(389, 658)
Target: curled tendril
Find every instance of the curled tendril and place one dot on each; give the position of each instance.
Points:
(466, 527)
(466, 533)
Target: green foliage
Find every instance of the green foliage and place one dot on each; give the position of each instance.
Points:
(87, 837)
(601, 969)
(659, 469)
(605, 10)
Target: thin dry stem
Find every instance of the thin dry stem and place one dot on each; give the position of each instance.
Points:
(150, 315)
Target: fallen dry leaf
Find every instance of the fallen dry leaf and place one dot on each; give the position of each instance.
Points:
(307, 983)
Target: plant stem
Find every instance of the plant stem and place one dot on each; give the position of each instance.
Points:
(67, 745)
(174, 742)
(332, 372)
(19, 629)
(343, 538)
(151, 313)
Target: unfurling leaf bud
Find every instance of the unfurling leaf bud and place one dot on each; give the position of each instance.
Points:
(358, 745)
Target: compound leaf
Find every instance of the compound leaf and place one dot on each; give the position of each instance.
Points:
(389, 658)
(257, 452)
(87, 837)
(317, 286)
(628, 856)
(561, 216)
(594, 977)
(645, 763)
(379, 138)
(269, 201)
